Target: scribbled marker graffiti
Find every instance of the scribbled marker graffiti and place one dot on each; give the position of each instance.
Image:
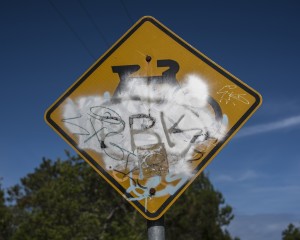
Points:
(151, 130)
(228, 94)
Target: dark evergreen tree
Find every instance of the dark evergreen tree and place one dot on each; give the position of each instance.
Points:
(199, 214)
(69, 200)
(291, 233)
(5, 218)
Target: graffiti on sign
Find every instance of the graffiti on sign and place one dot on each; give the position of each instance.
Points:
(229, 96)
(151, 129)
(150, 115)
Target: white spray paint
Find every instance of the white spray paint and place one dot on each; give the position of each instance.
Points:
(167, 119)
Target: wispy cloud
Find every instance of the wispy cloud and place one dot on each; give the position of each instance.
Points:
(290, 189)
(261, 226)
(271, 126)
(245, 176)
(248, 175)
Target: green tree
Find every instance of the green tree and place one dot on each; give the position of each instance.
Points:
(291, 233)
(199, 214)
(5, 218)
(68, 200)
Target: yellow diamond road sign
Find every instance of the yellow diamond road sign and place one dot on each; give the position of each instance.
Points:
(150, 115)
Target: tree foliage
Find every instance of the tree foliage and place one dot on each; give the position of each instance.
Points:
(68, 200)
(291, 233)
(5, 218)
(199, 214)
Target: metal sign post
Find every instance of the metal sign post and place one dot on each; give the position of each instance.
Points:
(156, 229)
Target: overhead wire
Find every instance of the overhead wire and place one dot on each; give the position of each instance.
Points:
(127, 12)
(94, 23)
(71, 29)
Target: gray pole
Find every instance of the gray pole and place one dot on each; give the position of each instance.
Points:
(156, 229)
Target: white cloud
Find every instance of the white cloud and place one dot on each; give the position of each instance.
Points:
(261, 226)
(268, 127)
(224, 178)
(278, 189)
(248, 175)
(245, 176)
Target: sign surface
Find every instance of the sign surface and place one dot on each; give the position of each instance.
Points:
(150, 114)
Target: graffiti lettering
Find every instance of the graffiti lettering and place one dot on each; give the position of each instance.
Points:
(228, 96)
(150, 130)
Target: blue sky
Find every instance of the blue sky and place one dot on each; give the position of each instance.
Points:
(257, 41)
